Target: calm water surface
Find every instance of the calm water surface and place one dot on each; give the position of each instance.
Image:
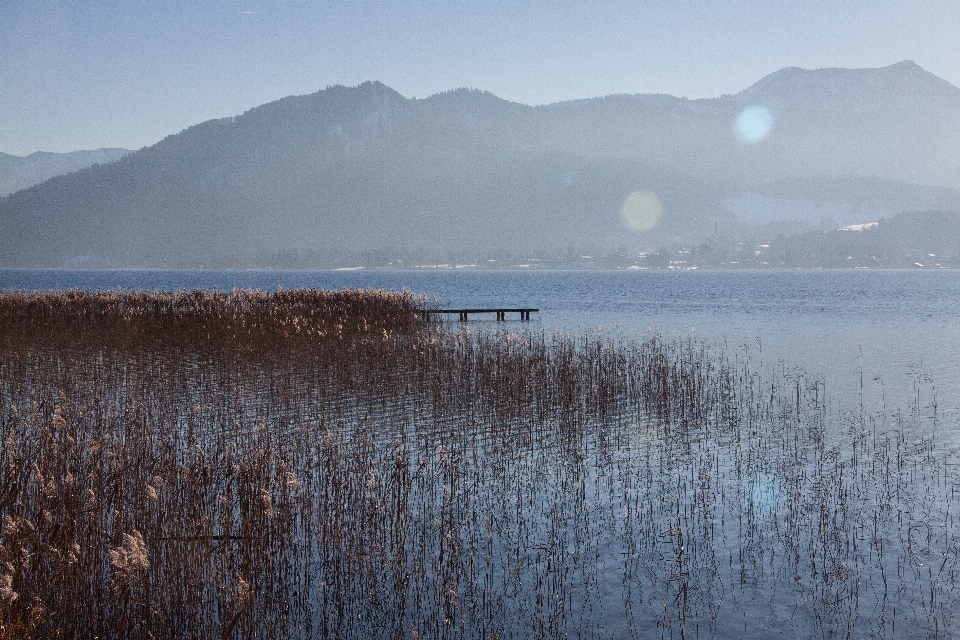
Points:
(890, 338)
(883, 342)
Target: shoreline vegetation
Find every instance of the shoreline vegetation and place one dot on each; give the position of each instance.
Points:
(909, 240)
(314, 464)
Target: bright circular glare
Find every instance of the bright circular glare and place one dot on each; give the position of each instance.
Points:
(641, 210)
(754, 124)
(765, 493)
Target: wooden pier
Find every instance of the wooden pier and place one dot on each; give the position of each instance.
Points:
(465, 313)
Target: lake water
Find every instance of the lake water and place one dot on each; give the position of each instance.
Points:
(888, 339)
(776, 535)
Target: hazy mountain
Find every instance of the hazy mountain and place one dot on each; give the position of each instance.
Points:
(899, 122)
(920, 239)
(830, 202)
(363, 169)
(20, 172)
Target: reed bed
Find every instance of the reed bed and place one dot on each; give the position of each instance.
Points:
(325, 464)
(240, 318)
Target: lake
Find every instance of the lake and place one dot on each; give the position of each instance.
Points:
(888, 339)
(472, 494)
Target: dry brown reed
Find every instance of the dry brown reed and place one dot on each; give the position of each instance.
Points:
(325, 464)
(240, 318)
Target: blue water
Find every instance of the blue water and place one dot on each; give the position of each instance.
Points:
(884, 342)
(886, 339)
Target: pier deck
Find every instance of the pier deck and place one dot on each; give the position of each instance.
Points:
(465, 313)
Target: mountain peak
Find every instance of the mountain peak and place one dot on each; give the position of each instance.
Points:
(905, 78)
(906, 65)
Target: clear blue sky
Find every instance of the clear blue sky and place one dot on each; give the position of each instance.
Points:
(82, 74)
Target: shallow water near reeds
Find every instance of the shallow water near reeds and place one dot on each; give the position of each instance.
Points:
(883, 339)
(506, 481)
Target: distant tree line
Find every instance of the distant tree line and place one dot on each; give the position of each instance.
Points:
(908, 240)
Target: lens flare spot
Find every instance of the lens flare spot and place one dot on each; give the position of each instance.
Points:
(754, 124)
(641, 210)
(765, 493)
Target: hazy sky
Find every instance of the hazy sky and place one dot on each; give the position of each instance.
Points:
(82, 74)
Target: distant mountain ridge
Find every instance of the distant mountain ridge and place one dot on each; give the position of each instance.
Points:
(21, 172)
(365, 171)
(904, 80)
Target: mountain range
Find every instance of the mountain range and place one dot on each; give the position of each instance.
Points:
(365, 173)
(20, 172)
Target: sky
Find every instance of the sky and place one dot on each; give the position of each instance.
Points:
(85, 74)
